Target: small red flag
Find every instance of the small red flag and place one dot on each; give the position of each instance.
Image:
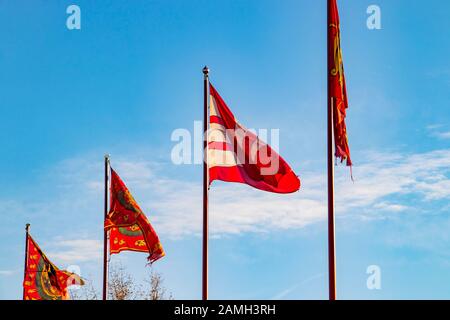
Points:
(235, 154)
(337, 90)
(43, 280)
(130, 228)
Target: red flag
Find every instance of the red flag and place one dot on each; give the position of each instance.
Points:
(129, 226)
(237, 155)
(126, 238)
(43, 280)
(337, 91)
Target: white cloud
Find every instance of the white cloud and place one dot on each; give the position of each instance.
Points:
(384, 185)
(444, 135)
(391, 207)
(175, 206)
(74, 251)
(438, 131)
(283, 294)
(7, 272)
(434, 126)
(423, 175)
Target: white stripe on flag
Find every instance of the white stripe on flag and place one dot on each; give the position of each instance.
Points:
(221, 158)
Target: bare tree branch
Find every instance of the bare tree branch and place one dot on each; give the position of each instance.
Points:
(122, 286)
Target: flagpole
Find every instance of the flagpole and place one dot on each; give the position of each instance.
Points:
(205, 186)
(27, 231)
(330, 164)
(105, 233)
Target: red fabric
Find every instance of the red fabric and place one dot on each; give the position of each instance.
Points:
(282, 180)
(43, 280)
(220, 146)
(215, 119)
(126, 239)
(337, 90)
(125, 212)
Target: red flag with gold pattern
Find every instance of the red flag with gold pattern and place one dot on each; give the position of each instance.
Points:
(337, 90)
(126, 239)
(43, 280)
(129, 227)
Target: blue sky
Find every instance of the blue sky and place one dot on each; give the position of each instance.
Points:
(132, 75)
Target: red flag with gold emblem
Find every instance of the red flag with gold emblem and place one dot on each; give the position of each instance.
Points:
(126, 238)
(337, 91)
(43, 280)
(129, 227)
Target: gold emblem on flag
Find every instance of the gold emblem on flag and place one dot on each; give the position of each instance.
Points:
(140, 243)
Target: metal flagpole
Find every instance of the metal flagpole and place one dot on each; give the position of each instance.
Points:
(330, 164)
(205, 187)
(27, 231)
(105, 233)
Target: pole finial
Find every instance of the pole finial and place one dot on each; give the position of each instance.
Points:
(107, 156)
(205, 70)
(27, 227)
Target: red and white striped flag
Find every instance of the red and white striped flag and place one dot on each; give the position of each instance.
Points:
(236, 154)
